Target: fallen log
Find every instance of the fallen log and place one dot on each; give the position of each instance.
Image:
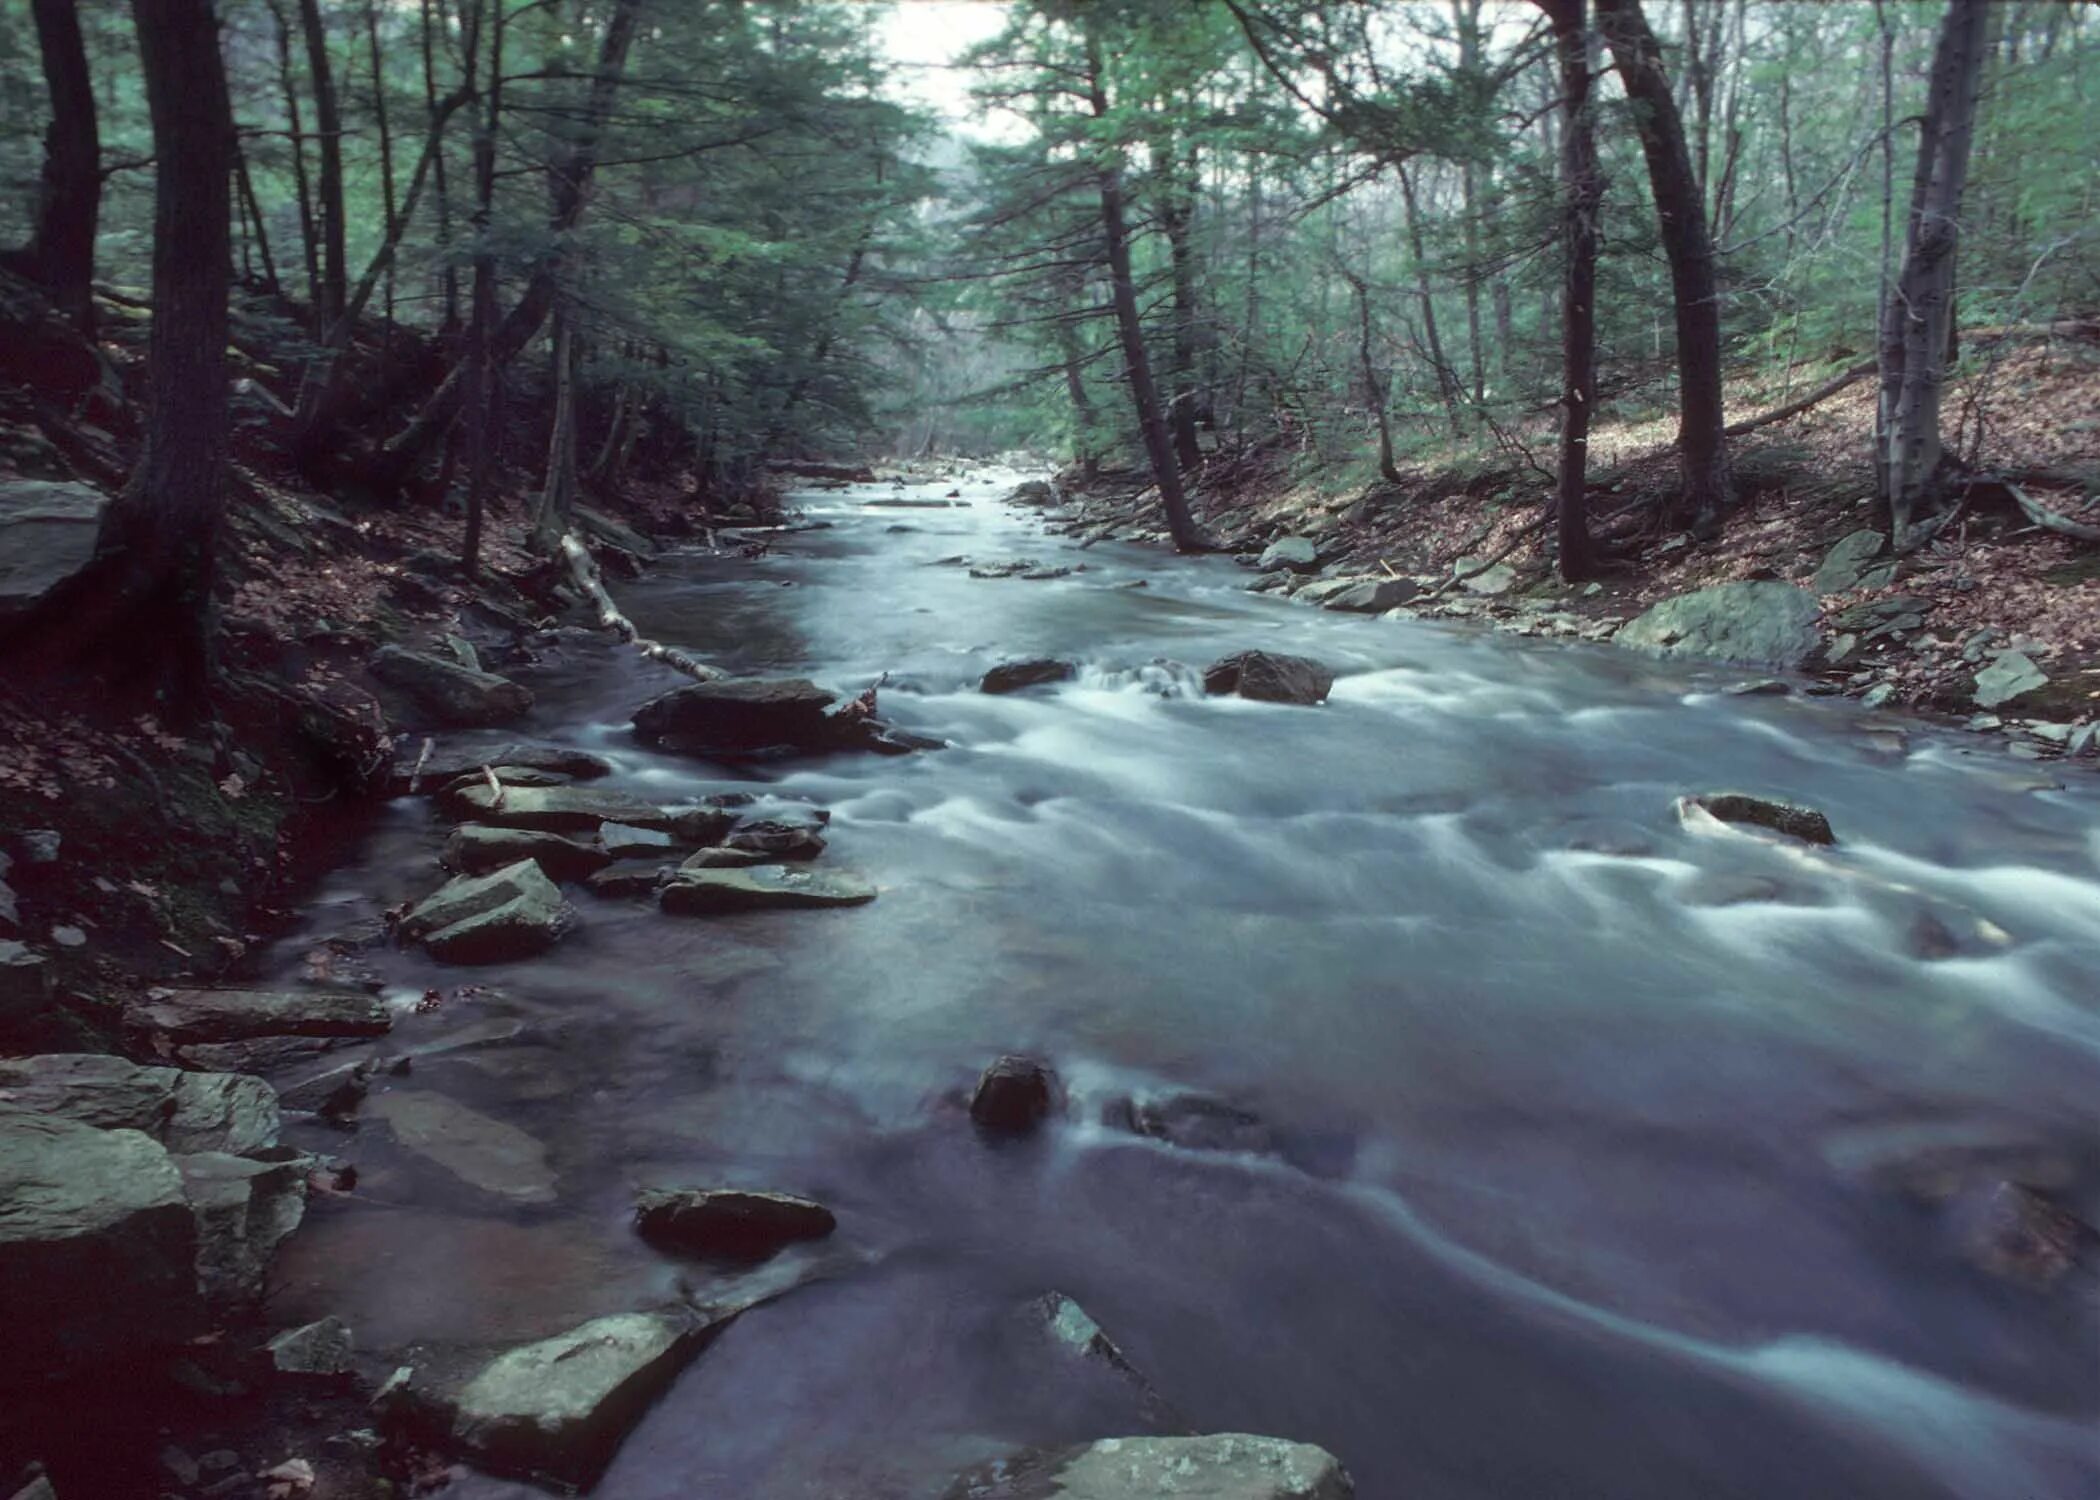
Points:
(584, 569)
(2051, 520)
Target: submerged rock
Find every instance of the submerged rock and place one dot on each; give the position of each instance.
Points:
(1764, 621)
(48, 531)
(477, 848)
(450, 694)
(1295, 554)
(490, 1155)
(1070, 1331)
(1803, 823)
(2021, 1234)
(1013, 1094)
(706, 892)
(507, 914)
(1269, 677)
(1193, 1122)
(189, 1016)
(1012, 676)
(1222, 1466)
(728, 1222)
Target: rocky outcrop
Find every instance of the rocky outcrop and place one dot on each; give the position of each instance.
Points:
(1787, 818)
(47, 535)
(1269, 677)
(507, 914)
(1013, 676)
(1764, 622)
(1222, 1466)
(709, 892)
(728, 1223)
(1294, 554)
(448, 693)
(476, 849)
(1013, 1095)
(192, 1016)
(184, 1111)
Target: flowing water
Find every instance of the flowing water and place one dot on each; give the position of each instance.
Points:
(1598, 1139)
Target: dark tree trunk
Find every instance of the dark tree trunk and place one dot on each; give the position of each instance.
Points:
(309, 238)
(1083, 420)
(1176, 219)
(386, 147)
(558, 493)
(60, 255)
(255, 220)
(481, 395)
(1680, 207)
(1582, 193)
(1446, 377)
(1144, 395)
(328, 123)
(449, 277)
(142, 613)
(1374, 383)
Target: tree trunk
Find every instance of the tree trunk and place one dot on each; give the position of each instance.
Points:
(151, 603)
(328, 122)
(60, 255)
(309, 240)
(1083, 420)
(1919, 311)
(386, 146)
(449, 277)
(1680, 206)
(1446, 377)
(255, 219)
(1144, 395)
(481, 386)
(1176, 218)
(1582, 193)
(558, 493)
(1466, 14)
(1374, 384)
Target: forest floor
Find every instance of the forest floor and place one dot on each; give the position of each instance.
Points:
(1992, 579)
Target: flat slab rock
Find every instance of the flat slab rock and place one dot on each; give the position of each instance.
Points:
(187, 1016)
(477, 848)
(483, 1152)
(446, 764)
(1222, 1466)
(447, 692)
(558, 809)
(706, 892)
(506, 914)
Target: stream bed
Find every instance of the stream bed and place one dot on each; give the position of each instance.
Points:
(1599, 1155)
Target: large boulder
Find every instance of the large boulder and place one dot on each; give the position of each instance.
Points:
(1032, 492)
(727, 1222)
(1012, 676)
(47, 534)
(1295, 554)
(1013, 1095)
(710, 892)
(558, 809)
(1270, 677)
(740, 717)
(1222, 1466)
(192, 1016)
(506, 914)
(476, 849)
(1788, 818)
(97, 1246)
(448, 693)
(182, 1110)
(1763, 621)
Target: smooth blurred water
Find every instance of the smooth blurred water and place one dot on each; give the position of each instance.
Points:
(1587, 1121)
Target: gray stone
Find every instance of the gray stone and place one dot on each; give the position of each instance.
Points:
(318, 1351)
(245, 1208)
(184, 1111)
(1372, 596)
(48, 532)
(629, 878)
(97, 1246)
(25, 981)
(705, 892)
(1013, 1094)
(39, 1488)
(506, 914)
(443, 767)
(447, 692)
(1847, 563)
(1270, 677)
(780, 835)
(728, 1222)
(1070, 1331)
(484, 1152)
(1764, 621)
(1221, 1466)
(740, 717)
(703, 824)
(186, 1016)
(1295, 554)
(623, 841)
(1803, 823)
(476, 849)
(558, 809)
(1497, 578)
(1032, 492)
(2011, 674)
(1877, 695)
(1012, 676)
(728, 859)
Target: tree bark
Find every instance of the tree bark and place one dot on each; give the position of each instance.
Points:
(328, 124)
(1916, 319)
(449, 277)
(60, 255)
(1582, 193)
(309, 239)
(481, 389)
(1374, 383)
(1446, 377)
(386, 146)
(1144, 395)
(558, 493)
(1681, 208)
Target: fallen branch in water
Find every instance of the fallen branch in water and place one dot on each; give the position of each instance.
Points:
(584, 568)
(415, 776)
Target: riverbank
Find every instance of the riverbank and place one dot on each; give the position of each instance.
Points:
(1998, 597)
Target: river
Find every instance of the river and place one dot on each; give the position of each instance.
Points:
(1591, 1131)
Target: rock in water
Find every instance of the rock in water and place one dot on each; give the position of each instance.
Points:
(784, 834)
(1032, 492)
(1372, 596)
(1766, 622)
(188, 1016)
(1296, 554)
(245, 1208)
(558, 809)
(2011, 674)
(1269, 677)
(97, 1247)
(2021, 1235)
(728, 1223)
(47, 534)
(182, 1110)
(476, 849)
(1193, 1122)
(449, 693)
(493, 1156)
(1803, 823)
(507, 914)
(740, 717)
(1013, 1094)
(706, 892)
(1012, 676)
(1222, 1466)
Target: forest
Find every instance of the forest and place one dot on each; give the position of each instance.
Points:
(1377, 587)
